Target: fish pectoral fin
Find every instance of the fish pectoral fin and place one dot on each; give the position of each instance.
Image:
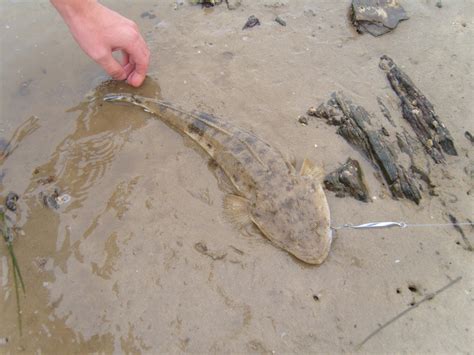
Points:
(308, 168)
(236, 209)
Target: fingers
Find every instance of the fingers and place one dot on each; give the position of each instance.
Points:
(134, 61)
(112, 67)
(127, 66)
(139, 56)
(125, 58)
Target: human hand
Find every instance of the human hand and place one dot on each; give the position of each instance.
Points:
(100, 31)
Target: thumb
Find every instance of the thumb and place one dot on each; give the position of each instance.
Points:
(112, 67)
(137, 77)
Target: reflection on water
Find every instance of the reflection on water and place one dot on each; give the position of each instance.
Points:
(83, 166)
(7, 147)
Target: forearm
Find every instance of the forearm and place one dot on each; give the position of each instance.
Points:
(70, 9)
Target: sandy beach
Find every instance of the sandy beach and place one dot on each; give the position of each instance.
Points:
(143, 260)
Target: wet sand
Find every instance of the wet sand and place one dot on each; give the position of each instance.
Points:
(117, 270)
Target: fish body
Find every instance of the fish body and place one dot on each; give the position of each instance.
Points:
(288, 207)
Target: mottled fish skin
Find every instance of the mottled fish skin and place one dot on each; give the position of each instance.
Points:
(290, 209)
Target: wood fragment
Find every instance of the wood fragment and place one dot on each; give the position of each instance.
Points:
(419, 112)
(385, 111)
(419, 165)
(357, 129)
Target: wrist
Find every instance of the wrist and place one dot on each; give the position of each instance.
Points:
(70, 9)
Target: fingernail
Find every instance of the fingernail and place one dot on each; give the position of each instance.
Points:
(135, 80)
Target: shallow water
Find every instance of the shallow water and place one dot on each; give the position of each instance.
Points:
(117, 268)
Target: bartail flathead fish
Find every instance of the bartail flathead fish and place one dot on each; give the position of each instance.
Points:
(288, 207)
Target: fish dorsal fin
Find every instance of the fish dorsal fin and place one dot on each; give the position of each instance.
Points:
(308, 168)
(236, 209)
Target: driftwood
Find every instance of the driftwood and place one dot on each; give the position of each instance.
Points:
(385, 112)
(419, 112)
(419, 164)
(357, 129)
(348, 180)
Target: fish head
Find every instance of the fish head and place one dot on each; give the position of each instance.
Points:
(129, 99)
(296, 218)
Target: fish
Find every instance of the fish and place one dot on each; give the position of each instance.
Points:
(289, 207)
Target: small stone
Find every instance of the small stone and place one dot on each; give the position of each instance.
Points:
(279, 20)
(312, 111)
(303, 120)
(348, 180)
(251, 22)
(439, 4)
(10, 201)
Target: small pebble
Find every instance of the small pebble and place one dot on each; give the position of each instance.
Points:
(11, 200)
(439, 4)
(251, 22)
(279, 20)
(303, 120)
(312, 111)
(469, 136)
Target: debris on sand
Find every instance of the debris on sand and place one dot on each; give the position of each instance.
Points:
(419, 112)
(419, 164)
(251, 22)
(206, 3)
(456, 225)
(303, 120)
(11, 200)
(279, 20)
(357, 129)
(469, 136)
(54, 200)
(376, 17)
(148, 14)
(385, 112)
(202, 248)
(348, 180)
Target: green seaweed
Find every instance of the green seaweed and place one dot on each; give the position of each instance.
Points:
(8, 236)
